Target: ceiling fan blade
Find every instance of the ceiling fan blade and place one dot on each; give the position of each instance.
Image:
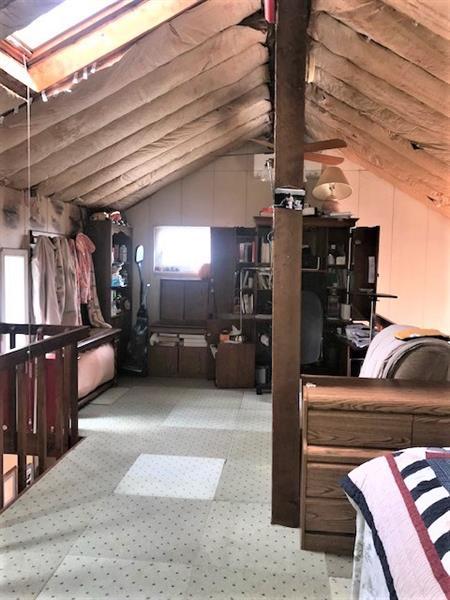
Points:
(324, 159)
(324, 145)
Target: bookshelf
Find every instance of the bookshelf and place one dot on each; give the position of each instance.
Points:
(113, 264)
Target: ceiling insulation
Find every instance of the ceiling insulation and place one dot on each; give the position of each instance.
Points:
(381, 82)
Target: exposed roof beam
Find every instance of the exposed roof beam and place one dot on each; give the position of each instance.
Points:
(155, 49)
(147, 143)
(139, 189)
(431, 170)
(376, 157)
(93, 171)
(397, 126)
(378, 90)
(433, 15)
(182, 142)
(371, 57)
(394, 31)
(238, 44)
(102, 41)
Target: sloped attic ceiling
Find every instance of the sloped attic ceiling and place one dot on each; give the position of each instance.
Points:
(193, 87)
(381, 75)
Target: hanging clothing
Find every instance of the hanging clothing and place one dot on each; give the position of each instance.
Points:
(46, 308)
(66, 282)
(86, 277)
(74, 262)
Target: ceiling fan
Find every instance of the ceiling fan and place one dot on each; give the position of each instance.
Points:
(312, 150)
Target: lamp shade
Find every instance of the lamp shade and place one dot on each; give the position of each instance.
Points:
(332, 185)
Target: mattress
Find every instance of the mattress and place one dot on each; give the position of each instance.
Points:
(95, 367)
(402, 549)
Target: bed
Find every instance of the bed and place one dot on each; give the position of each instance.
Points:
(402, 548)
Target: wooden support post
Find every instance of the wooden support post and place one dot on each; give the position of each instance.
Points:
(22, 387)
(290, 64)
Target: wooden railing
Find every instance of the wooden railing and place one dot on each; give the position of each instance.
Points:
(38, 395)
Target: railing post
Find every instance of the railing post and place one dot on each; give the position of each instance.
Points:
(21, 385)
(41, 400)
(60, 421)
(71, 388)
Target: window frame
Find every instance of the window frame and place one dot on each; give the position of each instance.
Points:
(4, 253)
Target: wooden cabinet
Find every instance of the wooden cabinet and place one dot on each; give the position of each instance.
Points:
(347, 421)
(235, 365)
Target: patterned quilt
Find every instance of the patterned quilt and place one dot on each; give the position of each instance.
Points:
(404, 498)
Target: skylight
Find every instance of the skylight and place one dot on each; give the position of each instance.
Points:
(66, 15)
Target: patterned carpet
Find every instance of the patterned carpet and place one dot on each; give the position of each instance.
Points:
(167, 497)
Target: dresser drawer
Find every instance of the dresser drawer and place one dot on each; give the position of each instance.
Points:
(431, 431)
(358, 429)
(329, 515)
(322, 480)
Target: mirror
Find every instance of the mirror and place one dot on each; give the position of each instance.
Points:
(139, 255)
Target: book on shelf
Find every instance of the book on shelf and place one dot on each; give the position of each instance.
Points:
(265, 251)
(265, 281)
(247, 279)
(247, 252)
(247, 304)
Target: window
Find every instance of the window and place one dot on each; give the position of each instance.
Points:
(182, 250)
(13, 292)
(58, 20)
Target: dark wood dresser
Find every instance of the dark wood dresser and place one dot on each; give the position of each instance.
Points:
(347, 421)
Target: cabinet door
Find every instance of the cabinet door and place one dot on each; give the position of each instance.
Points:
(365, 241)
(172, 300)
(223, 266)
(196, 300)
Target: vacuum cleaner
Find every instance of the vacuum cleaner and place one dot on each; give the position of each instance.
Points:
(137, 348)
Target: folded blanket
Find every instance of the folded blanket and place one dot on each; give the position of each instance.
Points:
(404, 498)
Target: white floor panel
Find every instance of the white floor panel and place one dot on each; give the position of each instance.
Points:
(86, 578)
(172, 477)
